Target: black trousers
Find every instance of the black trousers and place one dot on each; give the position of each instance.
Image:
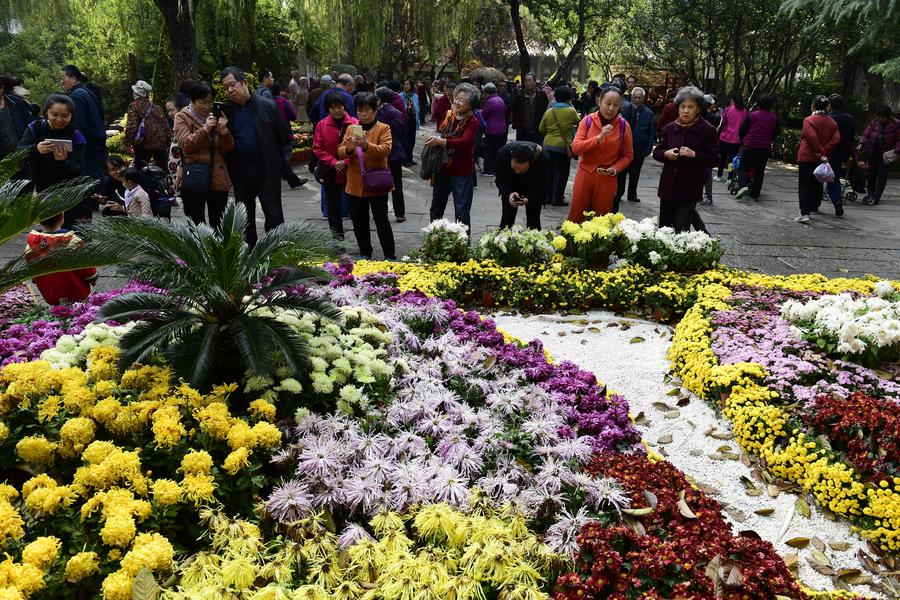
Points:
(268, 190)
(359, 212)
(492, 145)
(333, 193)
(397, 195)
(196, 204)
(727, 152)
(809, 189)
(755, 158)
(633, 174)
(678, 215)
(560, 164)
(160, 157)
(532, 213)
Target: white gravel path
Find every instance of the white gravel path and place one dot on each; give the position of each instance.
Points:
(606, 344)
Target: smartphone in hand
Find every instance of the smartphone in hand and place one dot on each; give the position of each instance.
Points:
(64, 144)
(217, 109)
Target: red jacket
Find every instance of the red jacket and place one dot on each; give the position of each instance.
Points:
(463, 160)
(327, 138)
(72, 286)
(818, 138)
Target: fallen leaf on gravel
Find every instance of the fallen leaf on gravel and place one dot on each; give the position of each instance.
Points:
(661, 406)
(820, 567)
(637, 340)
(684, 401)
(665, 439)
(798, 542)
(773, 490)
(651, 498)
(638, 512)
(858, 579)
(696, 452)
(683, 508)
(745, 460)
(765, 512)
(561, 333)
(736, 514)
(791, 560)
(731, 455)
(820, 557)
(725, 448)
(817, 544)
(868, 562)
(717, 456)
(844, 573)
(577, 331)
(709, 431)
(640, 419)
(672, 414)
(722, 436)
(673, 392)
(839, 546)
(594, 329)
(803, 507)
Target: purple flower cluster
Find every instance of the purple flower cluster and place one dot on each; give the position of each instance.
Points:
(754, 331)
(14, 302)
(23, 342)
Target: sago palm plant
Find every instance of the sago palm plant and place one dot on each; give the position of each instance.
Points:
(20, 209)
(209, 321)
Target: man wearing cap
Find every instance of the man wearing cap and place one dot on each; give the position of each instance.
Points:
(345, 87)
(146, 129)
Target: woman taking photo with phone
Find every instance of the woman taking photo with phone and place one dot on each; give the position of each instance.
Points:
(202, 133)
(56, 151)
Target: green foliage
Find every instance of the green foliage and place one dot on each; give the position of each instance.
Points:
(786, 145)
(35, 54)
(515, 247)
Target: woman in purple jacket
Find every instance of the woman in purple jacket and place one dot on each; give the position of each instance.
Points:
(757, 134)
(688, 148)
(393, 118)
(493, 111)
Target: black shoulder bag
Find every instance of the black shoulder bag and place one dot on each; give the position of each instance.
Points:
(197, 176)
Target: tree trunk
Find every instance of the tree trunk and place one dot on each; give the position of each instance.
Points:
(524, 57)
(565, 69)
(179, 19)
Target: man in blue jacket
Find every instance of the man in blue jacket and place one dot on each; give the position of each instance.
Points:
(89, 119)
(345, 87)
(641, 122)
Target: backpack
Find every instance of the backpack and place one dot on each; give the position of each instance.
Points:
(154, 181)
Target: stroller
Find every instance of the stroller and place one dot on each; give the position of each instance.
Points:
(733, 166)
(155, 183)
(854, 181)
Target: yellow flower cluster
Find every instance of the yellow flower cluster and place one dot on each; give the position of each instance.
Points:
(435, 552)
(760, 425)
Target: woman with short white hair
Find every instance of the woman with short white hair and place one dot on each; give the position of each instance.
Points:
(687, 148)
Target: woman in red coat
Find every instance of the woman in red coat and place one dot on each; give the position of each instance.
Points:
(332, 169)
(818, 138)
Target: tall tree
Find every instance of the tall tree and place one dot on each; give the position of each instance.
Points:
(524, 58)
(178, 16)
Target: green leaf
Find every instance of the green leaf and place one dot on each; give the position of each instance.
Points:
(144, 586)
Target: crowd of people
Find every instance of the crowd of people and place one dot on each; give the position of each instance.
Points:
(365, 132)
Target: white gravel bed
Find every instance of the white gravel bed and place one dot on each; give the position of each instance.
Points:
(608, 345)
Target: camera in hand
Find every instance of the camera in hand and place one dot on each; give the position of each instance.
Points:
(217, 109)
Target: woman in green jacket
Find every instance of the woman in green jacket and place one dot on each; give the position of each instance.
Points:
(558, 128)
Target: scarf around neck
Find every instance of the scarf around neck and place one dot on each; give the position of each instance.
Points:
(687, 124)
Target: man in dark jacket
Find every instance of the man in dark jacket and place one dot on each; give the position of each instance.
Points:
(529, 107)
(345, 87)
(838, 157)
(642, 143)
(522, 173)
(393, 118)
(14, 117)
(89, 119)
(266, 81)
(255, 163)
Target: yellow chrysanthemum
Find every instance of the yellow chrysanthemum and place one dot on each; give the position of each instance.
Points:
(166, 492)
(81, 566)
(266, 435)
(118, 530)
(74, 435)
(150, 550)
(196, 462)
(41, 552)
(236, 460)
(262, 410)
(11, 523)
(36, 449)
(117, 586)
(199, 488)
(167, 427)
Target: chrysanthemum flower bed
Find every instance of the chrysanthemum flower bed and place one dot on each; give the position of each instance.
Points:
(426, 456)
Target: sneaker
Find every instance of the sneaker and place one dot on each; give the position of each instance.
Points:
(717, 179)
(706, 202)
(635, 199)
(742, 192)
(802, 218)
(839, 210)
(401, 219)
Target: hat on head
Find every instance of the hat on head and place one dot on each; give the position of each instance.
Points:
(326, 79)
(142, 88)
(709, 99)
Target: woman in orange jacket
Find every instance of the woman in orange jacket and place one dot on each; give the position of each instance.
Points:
(373, 142)
(603, 143)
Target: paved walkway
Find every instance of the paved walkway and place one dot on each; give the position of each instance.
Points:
(760, 236)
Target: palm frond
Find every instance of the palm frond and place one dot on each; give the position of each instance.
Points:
(293, 243)
(152, 335)
(253, 344)
(20, 210)
(11, 164)
(133, 306)
(290, 346)
(194, 357)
